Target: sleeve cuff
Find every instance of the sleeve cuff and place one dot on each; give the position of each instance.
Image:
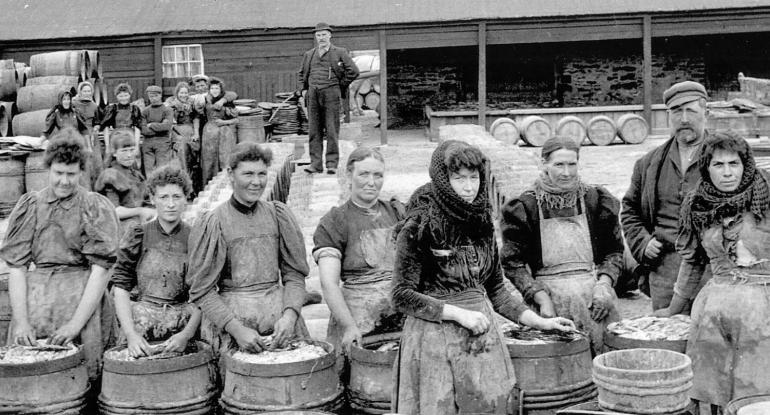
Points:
(104, 262)
(325, 252)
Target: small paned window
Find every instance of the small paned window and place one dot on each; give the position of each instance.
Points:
(182, 61)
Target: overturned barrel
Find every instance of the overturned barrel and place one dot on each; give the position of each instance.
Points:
(29, 123)
(573, 128)
(535, 130)
(632, 129)
(260, 386)
(371, 373)
(601, 130)
(65, 62)
(177, 385)
(505, 130)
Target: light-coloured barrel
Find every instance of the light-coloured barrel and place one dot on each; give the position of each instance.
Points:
(39, 97)
(601, 130)
(251, 128)
(65, 80)
(365, 87)
(371, 374)
(7, 64)
(372, 101)
(65, 62)
(643, 381)
(11, 181)
(632, 129)
(9, 84)
(35, 171)
(572, 127)
(7, 113)
(535, 130)
(505, 130)
(29, 123)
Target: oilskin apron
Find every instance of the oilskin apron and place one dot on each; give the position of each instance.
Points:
(730, 334)
(160, 274)
(253, 290)
(368, 296)
(568, 271)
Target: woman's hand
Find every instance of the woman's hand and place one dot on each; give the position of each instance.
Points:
(24, 334)
(350, 336)
(558, 323)
(477, 323)
(64, 334)
(137, 345)
(176, 343)
(545, 304)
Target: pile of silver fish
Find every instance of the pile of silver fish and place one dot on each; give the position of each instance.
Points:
(41, 352)
(297, 351)
(527, 335)
(672, 328)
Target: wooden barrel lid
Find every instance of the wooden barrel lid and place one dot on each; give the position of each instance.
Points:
(535, 130)
(505, 130)
(601, 130)
(632, 129)
(572, 127)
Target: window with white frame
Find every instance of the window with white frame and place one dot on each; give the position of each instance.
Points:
(182, 61)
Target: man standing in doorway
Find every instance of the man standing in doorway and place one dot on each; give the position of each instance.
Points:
(326, 71)
(661, 179)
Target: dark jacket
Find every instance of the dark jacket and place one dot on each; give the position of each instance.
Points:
(641, 200)
(520, 227)
(343, 67)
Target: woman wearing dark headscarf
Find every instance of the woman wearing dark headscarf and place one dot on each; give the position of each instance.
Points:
(63, 115)
(218, 138)
(562, 245)
(185, 133)
(725, 222)
(447, 280)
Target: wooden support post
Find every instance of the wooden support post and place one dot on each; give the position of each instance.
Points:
(483, 75)
(157, 63)
(383, 88)
(647, 68)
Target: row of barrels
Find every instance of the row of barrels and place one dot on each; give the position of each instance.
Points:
(82, 64)
(600, 130)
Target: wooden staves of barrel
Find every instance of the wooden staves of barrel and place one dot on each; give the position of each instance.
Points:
(39, 97)
(551, 375)
(643, 381)
(35, 171)
(29, 123)
(601, 130)
(5, 306)
(311, 384)
(749, 405)
(63, 80)
(505, 130)
(6, 115)
(9, 84)
(65, 62)
(11, 180)
(632, 129)
(535, 130)
(184, 384)
(94, 69)
(54, 386)
(572, 127)
(251, 128)
(371, 374)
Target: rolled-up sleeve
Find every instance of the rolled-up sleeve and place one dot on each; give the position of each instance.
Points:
(102, 237)
(17, 245)
(407, 272)
(293, 259)
(207, 255)
(519, 239)
(124, 273)
(330, 236)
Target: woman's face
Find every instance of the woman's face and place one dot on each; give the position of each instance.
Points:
(126, 156)
(726, 170)
(465, 183)
(66, 101)
(123, 97)
(64, 178)
(562, 167)
(215, 89)
(366, 181)
(170, 202)
(183, 94)
(86, 92)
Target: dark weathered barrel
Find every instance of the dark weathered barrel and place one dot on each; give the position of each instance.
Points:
(632, 129)
(9, 84)
(551, 375)
(29, 123)
(178, 385)
(749, 405)
(601, 130)
(56, 386)
(35, 171)
(311, 384)
(251, 128)
(572, 127)
(535, 130)
(11, 180)
(371, 374)
(65, 62)
(643, 381)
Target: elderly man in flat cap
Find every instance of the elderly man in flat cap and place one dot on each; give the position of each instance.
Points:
(326, 71)
(157, 120)
(661, 179)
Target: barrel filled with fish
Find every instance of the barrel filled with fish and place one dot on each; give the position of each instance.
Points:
(301, 376)
(370, 385)
(553, 369)
(669, 333)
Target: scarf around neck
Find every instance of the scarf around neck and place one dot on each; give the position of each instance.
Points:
(555, 197)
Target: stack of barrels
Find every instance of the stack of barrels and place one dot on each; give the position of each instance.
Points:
(600, 130)
(13, 75)
(51, 73)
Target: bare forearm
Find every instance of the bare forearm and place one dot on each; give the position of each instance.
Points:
(123, 310)
(17, 290)
(92, 296)
(329, 270)
(192, 324)
(531, 319)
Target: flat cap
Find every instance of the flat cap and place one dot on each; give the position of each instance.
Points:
(322, 26)
(154, 88)
(200, 77)
(683, 92)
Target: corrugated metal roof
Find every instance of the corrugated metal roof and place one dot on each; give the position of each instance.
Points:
(51, 19)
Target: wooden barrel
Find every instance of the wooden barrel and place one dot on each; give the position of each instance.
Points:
(5, 306)
(614, 342)
(29, 123)
(551, 375)
(21, 77)
(572, 127)
(94, 69)
(372, 101)
(11, 180)
(305, 385)
(7, 64)
(749, 405)
(643, 381)
(9, 84)
(251, 128)
(371, 374)
(366, 87)
(8, 112)
(601, 130)
(65, 62)
(39, 97)
(594, 408)
(632, 129)
(51, 387)
(35, 171)
(64, 80)
(505, 130)
(178, 385)
(535, 130)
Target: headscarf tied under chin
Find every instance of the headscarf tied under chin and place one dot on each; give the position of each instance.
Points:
(444, 212)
